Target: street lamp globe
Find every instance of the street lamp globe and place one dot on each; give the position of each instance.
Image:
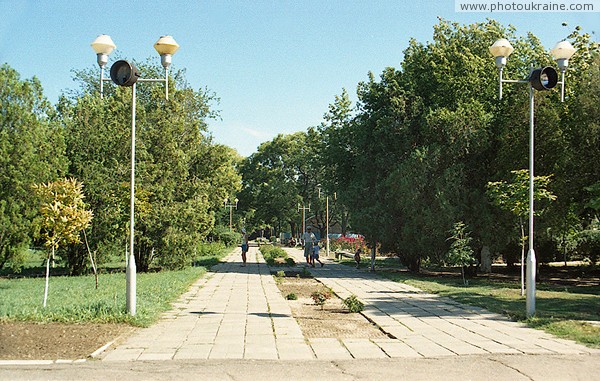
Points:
(501, 49)
(103, 45)
(561, 54)
(166, 46)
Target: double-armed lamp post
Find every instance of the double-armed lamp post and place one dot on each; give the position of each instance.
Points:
(544, 78)
(125, 73)
(231, 206)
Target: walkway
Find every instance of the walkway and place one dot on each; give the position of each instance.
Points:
(238, 312)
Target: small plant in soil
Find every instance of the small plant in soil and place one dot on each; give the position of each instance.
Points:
(320, 298)
(354, 304)
(291, 296)
(280, 274)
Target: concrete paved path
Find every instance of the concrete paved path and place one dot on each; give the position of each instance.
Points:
(238, 312)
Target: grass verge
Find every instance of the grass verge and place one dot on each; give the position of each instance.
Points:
(76, 300)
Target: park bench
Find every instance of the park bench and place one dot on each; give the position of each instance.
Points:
(341, 253)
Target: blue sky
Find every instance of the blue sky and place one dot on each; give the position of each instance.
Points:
(275, 65)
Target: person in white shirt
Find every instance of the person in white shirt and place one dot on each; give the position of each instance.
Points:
(315, 255)
(309, 239)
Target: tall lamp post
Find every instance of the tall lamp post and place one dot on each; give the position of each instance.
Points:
(124, 73)
(544, 78)
(303, 209)
(231, 206)
(326, 221)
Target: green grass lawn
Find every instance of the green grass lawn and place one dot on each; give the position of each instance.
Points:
(75, 299)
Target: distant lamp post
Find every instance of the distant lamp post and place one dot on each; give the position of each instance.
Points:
(125, 73)
(326, 222)
(544, 78)
(303, 209)
(231, 206)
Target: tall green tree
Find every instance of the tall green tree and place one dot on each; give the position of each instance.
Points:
(181, 176)
(31, 151)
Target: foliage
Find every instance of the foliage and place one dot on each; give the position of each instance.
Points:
(222, 234)
(63, 210)
(460, 253)
(354, 304)
(182, 178)
(270, 253)
(291, 296)
(349, 244)
(64, 216)
(31, 151)
(320, 297)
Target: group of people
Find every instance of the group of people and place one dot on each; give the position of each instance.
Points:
(311, 247)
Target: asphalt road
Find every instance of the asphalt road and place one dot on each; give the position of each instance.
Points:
(463, 368)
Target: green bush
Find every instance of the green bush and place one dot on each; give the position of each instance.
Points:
(224, 235)
(353, 304)
(320, 297)
(290, 261)
(291, 296)
(280, 274)
(270, 253)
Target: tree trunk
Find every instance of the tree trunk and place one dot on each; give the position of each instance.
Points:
(47, 276)
(486, 260)
(91, 258)
(373, 253)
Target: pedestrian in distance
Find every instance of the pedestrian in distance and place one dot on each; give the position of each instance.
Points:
(244, 246)
(315, 255)
(309, 239)
(357, 257)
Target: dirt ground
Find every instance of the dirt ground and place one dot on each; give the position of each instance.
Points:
(333, 321)
(51, 341)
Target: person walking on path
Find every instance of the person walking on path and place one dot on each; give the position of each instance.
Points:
(309, 239)
(244, 246)
(357, 257)
(315, 255)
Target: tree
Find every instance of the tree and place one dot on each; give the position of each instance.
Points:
(31, 151)
(513, 196)
(64, 216)
(460, 253)
(181, 176)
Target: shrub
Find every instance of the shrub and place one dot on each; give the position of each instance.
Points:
(280, 274)
(291, 296)
(224, 235)
(270, 253)
(290, 262)
(320, 297)
(354, 304)
(349, 244)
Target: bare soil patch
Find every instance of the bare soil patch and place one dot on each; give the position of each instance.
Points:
(333, 321)
(53, 341)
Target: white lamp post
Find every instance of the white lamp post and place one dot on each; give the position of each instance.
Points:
(304, 209)
(103, 45)
(124, 73)
(544, 78)
(231, 206)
